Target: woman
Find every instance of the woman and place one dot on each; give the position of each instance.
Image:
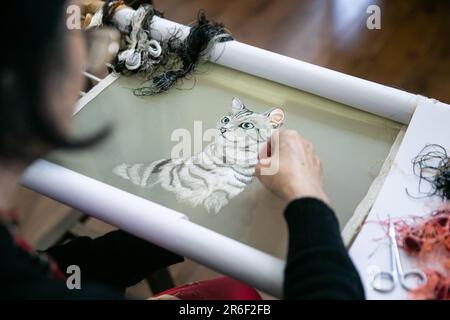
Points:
(40, 81)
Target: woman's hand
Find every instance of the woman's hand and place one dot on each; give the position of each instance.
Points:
(299, 172)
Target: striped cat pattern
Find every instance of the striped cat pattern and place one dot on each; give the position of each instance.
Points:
(222, 170)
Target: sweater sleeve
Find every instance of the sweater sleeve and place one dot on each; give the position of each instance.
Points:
(116, 259)
(318, 264)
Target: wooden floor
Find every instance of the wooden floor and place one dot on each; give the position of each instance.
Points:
(411, 52)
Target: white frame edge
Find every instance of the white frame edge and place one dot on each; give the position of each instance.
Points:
(157, 224)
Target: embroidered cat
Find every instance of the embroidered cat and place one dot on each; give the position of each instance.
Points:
(222, 170)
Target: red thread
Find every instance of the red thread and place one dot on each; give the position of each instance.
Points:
(428, 239)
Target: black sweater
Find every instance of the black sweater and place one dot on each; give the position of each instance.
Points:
(318, 265)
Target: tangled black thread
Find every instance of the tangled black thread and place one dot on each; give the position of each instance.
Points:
(181, 57)
(432, 165)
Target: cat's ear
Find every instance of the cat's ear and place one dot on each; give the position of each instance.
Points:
(237, 105)
(276, 117)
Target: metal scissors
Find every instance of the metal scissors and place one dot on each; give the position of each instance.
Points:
(385, 281)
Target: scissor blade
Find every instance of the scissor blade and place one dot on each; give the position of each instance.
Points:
(391, 230)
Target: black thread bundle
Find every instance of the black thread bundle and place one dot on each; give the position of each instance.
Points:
(432, 165)
(181, 57)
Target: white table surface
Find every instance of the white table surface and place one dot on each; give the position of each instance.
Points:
(430, 125)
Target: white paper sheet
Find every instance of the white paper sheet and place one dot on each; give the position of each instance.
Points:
(430, 124)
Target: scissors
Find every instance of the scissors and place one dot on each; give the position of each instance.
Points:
(385, 281)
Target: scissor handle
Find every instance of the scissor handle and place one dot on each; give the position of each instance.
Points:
(384, 281)
(415, 273)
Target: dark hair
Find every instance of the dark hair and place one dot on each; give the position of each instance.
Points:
(34, 48)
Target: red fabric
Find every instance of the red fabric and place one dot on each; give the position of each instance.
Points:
(222, 288)
(54, 268)
(12, 220)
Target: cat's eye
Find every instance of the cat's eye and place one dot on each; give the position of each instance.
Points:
(247, 125)
(225, 120)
